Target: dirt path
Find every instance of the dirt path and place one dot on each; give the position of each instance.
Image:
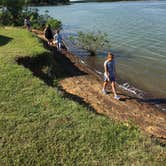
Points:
(83, 82)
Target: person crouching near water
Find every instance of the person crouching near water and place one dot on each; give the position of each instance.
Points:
(58, 40)
(48, 34)
(109, 74)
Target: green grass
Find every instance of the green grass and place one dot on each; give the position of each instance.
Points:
(38, 126)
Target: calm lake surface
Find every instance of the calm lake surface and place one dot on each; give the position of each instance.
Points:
(137, 31)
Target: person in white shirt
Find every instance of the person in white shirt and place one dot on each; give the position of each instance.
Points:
(109, 74)
(58, 40)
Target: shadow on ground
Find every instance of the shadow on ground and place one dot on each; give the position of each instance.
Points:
(39, 66)
(57, 65)
(50, 68)
(4, 40)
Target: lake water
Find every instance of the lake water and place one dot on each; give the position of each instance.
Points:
(137, 31)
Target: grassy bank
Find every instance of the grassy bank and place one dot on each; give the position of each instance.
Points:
(38, 126)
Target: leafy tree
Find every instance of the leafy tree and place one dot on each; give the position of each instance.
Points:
(39, 2)
(12, 13)
(91, 41)
(13, 8)
(39, 21)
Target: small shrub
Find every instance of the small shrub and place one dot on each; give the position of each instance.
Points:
(37, 21)
(91, 41)
(11, 11)
(55, 24)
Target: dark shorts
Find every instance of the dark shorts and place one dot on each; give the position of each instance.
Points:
(111, 79)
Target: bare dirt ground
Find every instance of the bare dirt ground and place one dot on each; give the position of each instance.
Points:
(85, 85)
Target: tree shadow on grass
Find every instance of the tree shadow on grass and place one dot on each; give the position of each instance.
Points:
(46, 66)
(61, 67)
(4, 40)
(37, 65)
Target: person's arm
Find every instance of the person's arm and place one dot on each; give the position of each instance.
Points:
(44, 31)
(105, 70)
(54, 37)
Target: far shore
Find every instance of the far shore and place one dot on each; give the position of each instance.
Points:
(47, 4)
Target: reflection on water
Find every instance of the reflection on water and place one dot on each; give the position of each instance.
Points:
(137, 33)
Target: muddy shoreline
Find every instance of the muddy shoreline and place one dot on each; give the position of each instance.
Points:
(84, 84)
(135, 90)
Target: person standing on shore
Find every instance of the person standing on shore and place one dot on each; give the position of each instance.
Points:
(27, 23)
(58, 39)
(48, 34)
(109, 74)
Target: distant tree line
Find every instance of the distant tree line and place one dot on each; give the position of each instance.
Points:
(36, 2)
(46, 2)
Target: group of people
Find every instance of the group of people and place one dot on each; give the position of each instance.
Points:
(53, 38)
(48, 33)
(109, 64)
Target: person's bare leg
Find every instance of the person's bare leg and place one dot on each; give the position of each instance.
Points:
(104, 87)
(113, 88)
